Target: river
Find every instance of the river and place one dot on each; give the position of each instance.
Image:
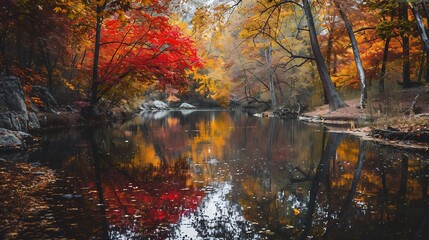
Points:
(226, 175)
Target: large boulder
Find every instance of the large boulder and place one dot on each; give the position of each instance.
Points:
(160, 105)
(14, 121)
(8, 140)
(154, 105)
(15, 140)
(13, 110)
(11, 95)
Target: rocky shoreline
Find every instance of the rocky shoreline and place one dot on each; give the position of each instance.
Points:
(25, 113)
(407, 132)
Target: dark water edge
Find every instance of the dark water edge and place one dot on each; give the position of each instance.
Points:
(226, 175)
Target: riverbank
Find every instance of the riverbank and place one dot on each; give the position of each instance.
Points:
(403, 124)
(13, 141)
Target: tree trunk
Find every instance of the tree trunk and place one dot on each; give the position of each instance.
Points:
(328, 55)
(420, 26)
(421, 65)
(427, 67)
(95, 80)
(46, 57)
(406, 80)
(279, 86)
(268, 52)
(334, 99)
(330, 46)
(426, 10)
(384, 65)
(356, 54)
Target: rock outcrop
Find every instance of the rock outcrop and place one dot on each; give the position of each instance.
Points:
(15, 140)
(186, 106)
(47, 101)
(154, 105)
(13, 111)
(14, 114)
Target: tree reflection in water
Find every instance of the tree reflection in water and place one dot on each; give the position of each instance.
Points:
(226, 175)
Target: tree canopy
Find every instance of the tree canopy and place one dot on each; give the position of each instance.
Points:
(281, 53)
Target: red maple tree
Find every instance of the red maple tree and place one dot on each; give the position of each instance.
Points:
(146, 48)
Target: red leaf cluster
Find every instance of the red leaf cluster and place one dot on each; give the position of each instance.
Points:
(148, 49)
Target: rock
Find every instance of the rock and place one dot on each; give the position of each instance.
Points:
(70, 196)
(70, 108)
(27, 139)
(13, 121)
(47, 101)
(13, 111)
(35, 164)
(33, 121)
(12, 96)
(33, 108)
(118, 114)
(15, 140)
(160, 105)
(9, 140)
(186, 106)
(264, 114)
(145, 106)
(154, 105)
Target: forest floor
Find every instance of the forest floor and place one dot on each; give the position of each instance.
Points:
(386, 119)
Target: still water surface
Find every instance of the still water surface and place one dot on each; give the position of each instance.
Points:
(226, 175)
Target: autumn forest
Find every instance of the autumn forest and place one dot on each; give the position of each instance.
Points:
(278, 52)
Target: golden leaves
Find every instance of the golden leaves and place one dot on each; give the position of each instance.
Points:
(146, 2)
(58, 9)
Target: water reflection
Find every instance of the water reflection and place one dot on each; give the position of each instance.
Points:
(225, 175)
